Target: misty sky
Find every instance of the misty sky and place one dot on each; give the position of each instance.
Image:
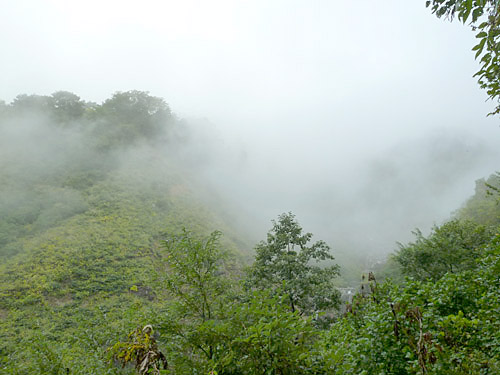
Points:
(364, 110)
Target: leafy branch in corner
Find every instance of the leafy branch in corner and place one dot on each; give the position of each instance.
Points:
(484, 18)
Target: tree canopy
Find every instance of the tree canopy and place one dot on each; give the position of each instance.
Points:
(450, 248)
(484, 206)
(286, 260)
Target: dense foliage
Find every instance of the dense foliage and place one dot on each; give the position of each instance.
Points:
(444, 325)
(449, 326)
(450, 248)
(212, 323)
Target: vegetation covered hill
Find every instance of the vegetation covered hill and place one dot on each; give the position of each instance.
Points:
(112, 264)
(86, 193)
(483, 206)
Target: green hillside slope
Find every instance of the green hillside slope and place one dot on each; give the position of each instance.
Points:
(484, 206)
(77, 226)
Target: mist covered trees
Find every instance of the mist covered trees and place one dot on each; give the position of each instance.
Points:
(126, 118)
(457, 244)
(484, 206)
(442, 318)
(132, 116)
(67, 106)
(450, 248)
(55, 147)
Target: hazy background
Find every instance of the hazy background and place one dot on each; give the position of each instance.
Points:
(361, 117)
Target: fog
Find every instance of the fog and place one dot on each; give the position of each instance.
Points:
(360, 203)
(360, 117)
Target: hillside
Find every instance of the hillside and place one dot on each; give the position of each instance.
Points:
(94, 200)
(484, 206)
(86, 192)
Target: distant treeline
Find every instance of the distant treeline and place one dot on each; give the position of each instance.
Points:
(125, 118)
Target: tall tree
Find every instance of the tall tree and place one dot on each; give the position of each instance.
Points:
(285, 261)
(191, 270)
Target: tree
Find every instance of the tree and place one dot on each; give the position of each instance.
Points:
(284, 262)
(484, 206)
(131, 117)
(484, 18)
(191, 270)
(450, 248)
(28, 104)
(67, 106)
(148, 114)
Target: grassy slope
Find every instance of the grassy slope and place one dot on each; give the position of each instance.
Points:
(65, 288)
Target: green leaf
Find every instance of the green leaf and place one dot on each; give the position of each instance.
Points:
(479, 47)
(466, 12)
